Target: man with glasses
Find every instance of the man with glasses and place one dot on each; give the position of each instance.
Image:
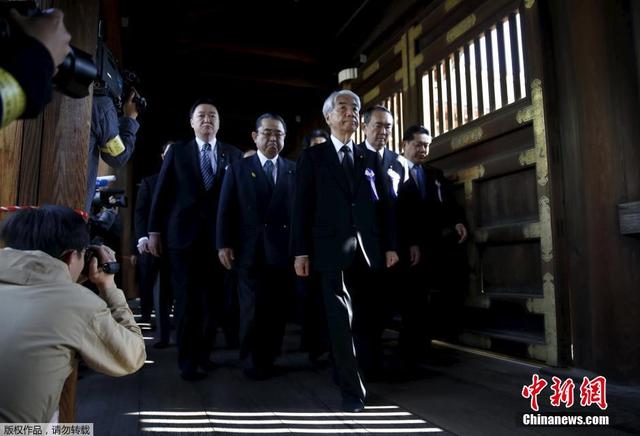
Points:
(182, 224)
(427, 212)
(253, 238)
(47, 319)
(343, 228)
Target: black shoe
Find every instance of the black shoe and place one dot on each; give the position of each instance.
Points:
(208, 366)
(193, 375)
(351, 403)
(161, 345)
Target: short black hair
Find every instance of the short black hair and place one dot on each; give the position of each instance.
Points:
(413, 130)
(370, 110)
(318, 133)
(198, 102)
(51, 229)
(270, 116)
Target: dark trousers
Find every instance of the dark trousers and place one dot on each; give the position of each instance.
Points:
(350, 304)
(446, 270)
(198, 284)
(312, 316)
(263, 292)
(417, 319)
(149, 267)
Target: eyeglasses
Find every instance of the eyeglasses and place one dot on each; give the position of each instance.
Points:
(268, 133)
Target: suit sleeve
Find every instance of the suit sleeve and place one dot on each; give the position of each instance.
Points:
(143, 205)
(454, 212)
(303, 207)
(159, 206)
(228, 211)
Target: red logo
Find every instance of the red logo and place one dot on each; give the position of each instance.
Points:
(592, 391)
(533, 390)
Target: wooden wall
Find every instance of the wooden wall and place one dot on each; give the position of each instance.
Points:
(592, 46)
(541, 178)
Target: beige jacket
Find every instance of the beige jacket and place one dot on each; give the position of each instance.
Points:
(45, 319)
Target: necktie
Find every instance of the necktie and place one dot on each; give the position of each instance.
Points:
(347, 164)
(268, 170)
(205, 167)
(419, 177)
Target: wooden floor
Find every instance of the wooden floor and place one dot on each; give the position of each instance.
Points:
(457, 393)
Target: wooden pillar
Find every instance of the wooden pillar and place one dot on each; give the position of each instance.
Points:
(597, 105)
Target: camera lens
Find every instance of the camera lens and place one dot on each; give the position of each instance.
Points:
(75, 74)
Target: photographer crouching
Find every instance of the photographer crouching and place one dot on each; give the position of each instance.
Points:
(47, 319)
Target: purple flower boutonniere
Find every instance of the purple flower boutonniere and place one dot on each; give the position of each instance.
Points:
(371, 177)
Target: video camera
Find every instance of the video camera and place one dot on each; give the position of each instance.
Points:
(104, 227)
(112, 83)
(103, 214)
(77, 72)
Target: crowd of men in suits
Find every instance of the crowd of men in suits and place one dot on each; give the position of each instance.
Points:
(356, 223)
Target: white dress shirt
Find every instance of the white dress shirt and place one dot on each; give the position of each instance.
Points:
(264, 158)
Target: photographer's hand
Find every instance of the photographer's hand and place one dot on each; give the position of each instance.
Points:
(49, 29)
(101, 279)
(129, 107)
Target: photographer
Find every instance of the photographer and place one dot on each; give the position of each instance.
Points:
(111, 139)
(47, 319)
(29, 59)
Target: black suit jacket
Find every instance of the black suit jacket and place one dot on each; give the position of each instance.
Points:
(181, 208)
(392, 167)
(143, 205)
(426, 221)
(253, 218)
(328, 218)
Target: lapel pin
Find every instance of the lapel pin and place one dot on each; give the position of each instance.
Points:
(253, 174)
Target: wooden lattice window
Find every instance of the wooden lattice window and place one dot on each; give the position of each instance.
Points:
(478, 78)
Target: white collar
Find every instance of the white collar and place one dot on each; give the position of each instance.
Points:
(201, 143)
(264, 158)
(372, 148)
(337, 144)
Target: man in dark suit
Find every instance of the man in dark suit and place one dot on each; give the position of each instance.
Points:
(378, 125)
(149, 266)
(428, 213)
(183, 215)
(341, 228)
(253, 237)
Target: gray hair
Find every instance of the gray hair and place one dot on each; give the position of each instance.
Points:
(330, 102)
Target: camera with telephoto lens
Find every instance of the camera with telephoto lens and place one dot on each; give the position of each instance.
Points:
(76, 73)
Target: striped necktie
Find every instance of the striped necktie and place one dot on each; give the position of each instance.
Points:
(205, 167)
